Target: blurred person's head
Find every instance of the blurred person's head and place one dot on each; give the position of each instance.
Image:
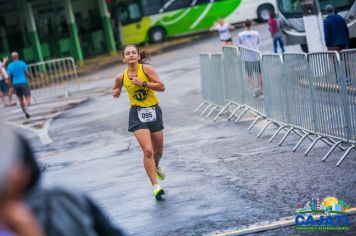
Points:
(329, 10)
(248, 24)
(14, 56)
(221, 21)
(23, 173)
(272, 15)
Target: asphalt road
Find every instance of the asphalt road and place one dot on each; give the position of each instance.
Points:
(220, 176)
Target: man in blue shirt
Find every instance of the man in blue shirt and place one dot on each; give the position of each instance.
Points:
(336, 31)
(18, 74)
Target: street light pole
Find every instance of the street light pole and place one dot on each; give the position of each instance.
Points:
(313, 23)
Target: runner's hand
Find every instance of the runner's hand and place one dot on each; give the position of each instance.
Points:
(116, 93)
(4, 60)
(136, 81)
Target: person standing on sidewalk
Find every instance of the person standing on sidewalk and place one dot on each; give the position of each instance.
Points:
(18, 73)
(145, 117)
(335, 30)
(4, 88)
(276, 32)
(224, 31)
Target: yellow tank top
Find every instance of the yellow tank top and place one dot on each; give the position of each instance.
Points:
(138, 95)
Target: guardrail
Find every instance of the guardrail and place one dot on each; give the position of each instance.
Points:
(311, 95)
(54, 77)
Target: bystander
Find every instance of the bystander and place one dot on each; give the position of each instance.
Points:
(336, 31)
(19, 76)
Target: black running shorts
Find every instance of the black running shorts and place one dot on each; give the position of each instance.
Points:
(140, 118)
(22, 90)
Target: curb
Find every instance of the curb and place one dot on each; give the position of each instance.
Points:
(153, 49)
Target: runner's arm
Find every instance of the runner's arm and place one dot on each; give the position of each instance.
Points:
(155, 83)
(29, 75)
(212, 28)
(118, 86)
(4, 61)
(8, 81)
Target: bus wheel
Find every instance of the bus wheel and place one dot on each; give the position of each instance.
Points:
(304, 48)
(263, 12)
(156, 35)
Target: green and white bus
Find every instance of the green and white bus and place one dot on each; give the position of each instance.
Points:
(155, 20)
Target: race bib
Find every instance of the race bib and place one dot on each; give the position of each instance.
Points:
(147, 114)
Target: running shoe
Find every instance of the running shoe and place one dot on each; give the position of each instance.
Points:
(257, 93)
(158, 192)
(25, 110)
(160, 173)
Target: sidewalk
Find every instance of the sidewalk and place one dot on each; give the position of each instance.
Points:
(106, 60)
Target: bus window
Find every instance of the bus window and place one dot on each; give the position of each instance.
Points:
(202, 2)
(130, 13)
(170, 5)
(288, 6)
(151, 7)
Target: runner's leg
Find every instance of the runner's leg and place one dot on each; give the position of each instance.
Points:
(143, 137)
(157, 143)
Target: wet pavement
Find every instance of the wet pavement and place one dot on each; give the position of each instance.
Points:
(220, 176)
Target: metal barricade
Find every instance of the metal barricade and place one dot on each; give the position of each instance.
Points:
(205, 80)
(298, 96)
(348, 62)
(275, 88)
(313, 95)
(213, 84)
(328, 105)
(218, 82)
(252, 79)
(233, 76)
(54, 78)
(348, 91)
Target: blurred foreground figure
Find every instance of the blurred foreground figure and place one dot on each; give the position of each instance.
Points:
(15, 216)
(59, 212)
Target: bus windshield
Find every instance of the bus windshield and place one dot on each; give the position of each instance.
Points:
(294, 7)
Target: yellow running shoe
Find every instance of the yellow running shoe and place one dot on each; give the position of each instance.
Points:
(160, 173)
(158, 192)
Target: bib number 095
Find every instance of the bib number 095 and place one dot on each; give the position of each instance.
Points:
(147, 114)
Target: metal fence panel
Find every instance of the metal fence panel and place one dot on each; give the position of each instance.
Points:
(54, 77)
(275, 88)
(299, 105)
(205, 76)
(348, 58)
(233, 75)
(217, 79)
(252, 79)
(324, 74)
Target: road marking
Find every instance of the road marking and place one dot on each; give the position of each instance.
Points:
(259, 227)
(41, 133)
